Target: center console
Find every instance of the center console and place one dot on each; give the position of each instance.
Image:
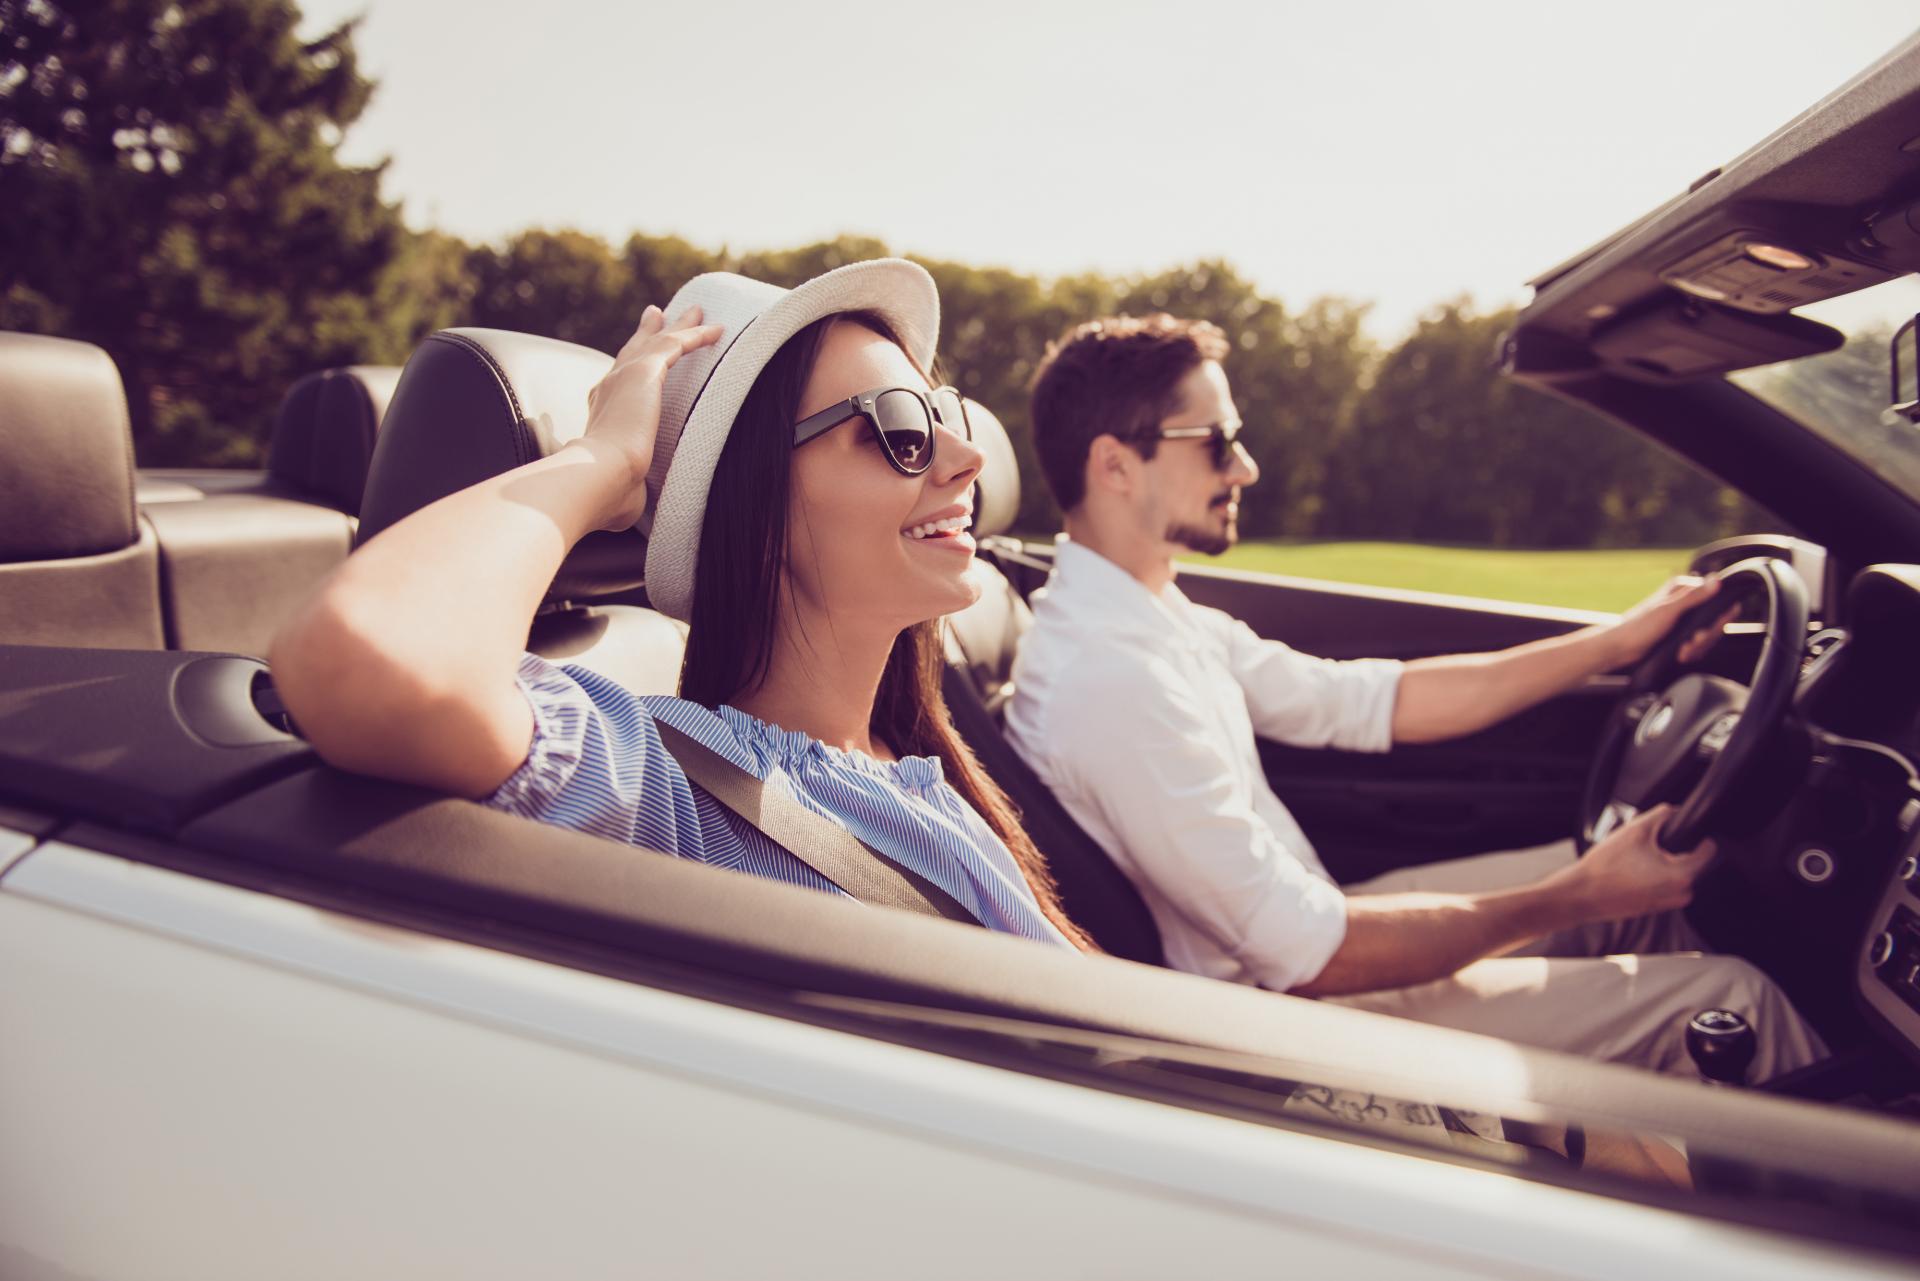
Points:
(1888, 967)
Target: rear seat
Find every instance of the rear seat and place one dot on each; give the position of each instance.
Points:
(93, 554)
(235, 565)
(239, 550)
(981, 643)
(77, 565)
(323, 439)
(473, 403)
(322, 442)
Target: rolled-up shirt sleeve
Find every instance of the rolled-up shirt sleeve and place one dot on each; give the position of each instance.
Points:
(561, 710)
(1304, 701)
(597, 764)
(1150, 763)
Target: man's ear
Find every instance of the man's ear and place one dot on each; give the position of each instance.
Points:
(1112, 467)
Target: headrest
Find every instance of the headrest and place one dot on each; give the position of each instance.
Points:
(997, 497)
(66, 451)
(323, 437)
(473, 403)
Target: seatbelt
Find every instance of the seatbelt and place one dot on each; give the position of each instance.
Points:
(826, 847)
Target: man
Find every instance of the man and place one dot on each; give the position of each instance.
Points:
(1140, 710)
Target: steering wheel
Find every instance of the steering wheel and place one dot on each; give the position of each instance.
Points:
(1668, 724)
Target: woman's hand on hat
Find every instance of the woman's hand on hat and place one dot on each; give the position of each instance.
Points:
(623, 409)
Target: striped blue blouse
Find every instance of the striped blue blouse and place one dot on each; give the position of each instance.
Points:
(597, 765)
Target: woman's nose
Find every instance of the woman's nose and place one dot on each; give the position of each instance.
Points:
(955, 458)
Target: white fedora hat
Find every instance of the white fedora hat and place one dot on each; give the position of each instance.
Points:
(704, 390)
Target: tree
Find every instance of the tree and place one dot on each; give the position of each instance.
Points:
(428, 286)
(170, 190)
(1441, 448)
(790, 267)
(560, 284)
(659, 265)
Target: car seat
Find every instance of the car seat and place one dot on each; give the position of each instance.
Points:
(981, 643)
(77, 564)
(472, 403)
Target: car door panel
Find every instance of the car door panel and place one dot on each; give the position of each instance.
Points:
(1512, 785)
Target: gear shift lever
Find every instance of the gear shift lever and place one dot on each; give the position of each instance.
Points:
(1722, 1046)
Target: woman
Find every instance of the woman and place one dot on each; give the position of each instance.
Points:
(807, 492)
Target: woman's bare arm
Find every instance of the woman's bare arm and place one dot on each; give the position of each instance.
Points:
(401, 664)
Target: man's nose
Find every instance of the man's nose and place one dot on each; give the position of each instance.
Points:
(1242, 471)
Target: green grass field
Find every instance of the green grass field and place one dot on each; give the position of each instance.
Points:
(1602, 580)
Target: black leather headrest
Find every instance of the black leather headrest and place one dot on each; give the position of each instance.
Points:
(323, 437)
(996, 500)
(66, 451)
(473, 403)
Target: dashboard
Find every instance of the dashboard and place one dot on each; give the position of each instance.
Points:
(1865, 690)
(1836, 844)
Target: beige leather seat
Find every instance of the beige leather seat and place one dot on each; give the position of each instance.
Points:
(239, 550)
(77, 564)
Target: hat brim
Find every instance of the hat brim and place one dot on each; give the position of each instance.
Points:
(900, 291)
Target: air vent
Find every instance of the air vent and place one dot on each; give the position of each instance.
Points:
(1780, 296)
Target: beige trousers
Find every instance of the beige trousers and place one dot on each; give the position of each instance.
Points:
(1620, 991)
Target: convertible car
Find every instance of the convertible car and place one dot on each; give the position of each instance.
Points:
(260, 1018)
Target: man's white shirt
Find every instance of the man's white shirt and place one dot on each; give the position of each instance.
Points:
(1140, 710)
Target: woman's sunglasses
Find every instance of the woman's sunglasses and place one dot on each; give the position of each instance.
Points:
(1220, 438)
(900, 418)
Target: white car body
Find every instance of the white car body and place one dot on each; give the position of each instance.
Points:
(248, 1087)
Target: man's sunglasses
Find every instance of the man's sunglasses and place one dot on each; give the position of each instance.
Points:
(1220, 438)
(900, 418)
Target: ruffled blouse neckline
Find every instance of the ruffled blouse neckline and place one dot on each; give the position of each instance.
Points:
(794, 749)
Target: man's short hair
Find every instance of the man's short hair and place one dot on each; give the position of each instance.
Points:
(1117, 376)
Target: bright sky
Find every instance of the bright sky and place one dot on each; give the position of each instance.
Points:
(1390, 150)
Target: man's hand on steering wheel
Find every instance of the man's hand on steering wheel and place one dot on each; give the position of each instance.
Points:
(1694, 740)
(1649, 622)
(1628, 873)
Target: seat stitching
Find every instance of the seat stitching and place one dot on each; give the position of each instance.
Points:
(521, 443)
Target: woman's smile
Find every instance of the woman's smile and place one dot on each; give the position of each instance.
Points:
(946, 528)
(953, 540)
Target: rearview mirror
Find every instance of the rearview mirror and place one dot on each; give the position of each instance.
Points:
(1906, 371)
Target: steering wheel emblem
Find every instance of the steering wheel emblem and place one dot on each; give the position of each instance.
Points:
(1653, 724)
(1720, 733)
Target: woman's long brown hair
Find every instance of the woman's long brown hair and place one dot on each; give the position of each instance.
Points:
(737, 601)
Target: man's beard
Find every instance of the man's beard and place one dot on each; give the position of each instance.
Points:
(1208, 542)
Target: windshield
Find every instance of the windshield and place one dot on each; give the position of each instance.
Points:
(1843, 395)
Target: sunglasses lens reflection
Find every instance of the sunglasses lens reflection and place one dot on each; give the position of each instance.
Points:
(905, 429)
